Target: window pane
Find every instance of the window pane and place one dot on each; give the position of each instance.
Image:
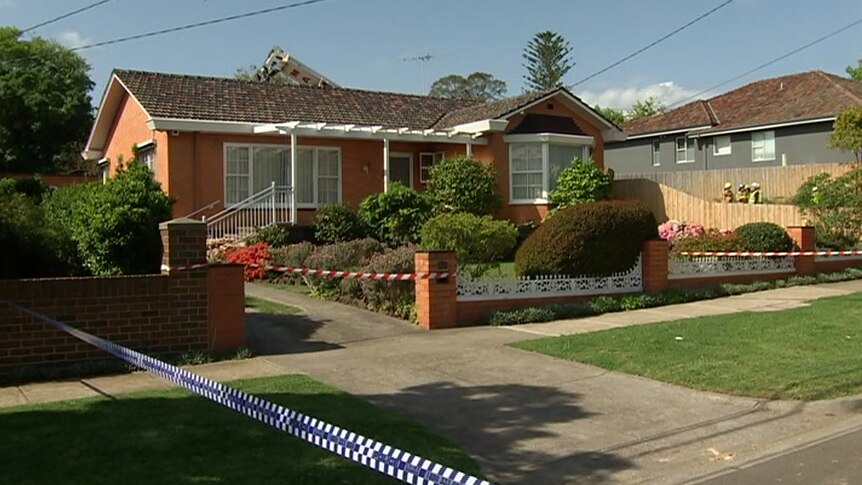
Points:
(680, 143)
(237, 160)
(236, 188)
(270, 164)
(305, 176)
(327, 163)
(327, 190)
(559, 158)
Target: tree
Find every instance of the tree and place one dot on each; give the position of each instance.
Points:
(548, 60)
(617, 116)
(645, 108)
(249, 73)
(855, 73)
(847, 131)
(45, 105)
(480, 86)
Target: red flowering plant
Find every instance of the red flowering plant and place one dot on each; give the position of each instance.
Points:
(254, 257)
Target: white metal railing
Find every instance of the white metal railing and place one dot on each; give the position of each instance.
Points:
(206, 207)
(549, 286)
(269, 206)
(697, 266)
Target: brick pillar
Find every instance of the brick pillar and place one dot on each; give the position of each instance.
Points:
(655, 265)
(804, 237)
(184, 242)
(226, 307)
(436, 300)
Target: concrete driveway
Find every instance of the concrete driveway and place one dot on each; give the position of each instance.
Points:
(532, 419)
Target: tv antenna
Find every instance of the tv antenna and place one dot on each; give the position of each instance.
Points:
(422, 60)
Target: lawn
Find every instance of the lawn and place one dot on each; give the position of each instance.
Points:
(806, 353)
(172, 436)
(267, 306)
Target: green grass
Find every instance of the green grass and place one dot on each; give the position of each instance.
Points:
(807, 353)
(506, 269)
(294, 288)
(171, 436)
(267, 306)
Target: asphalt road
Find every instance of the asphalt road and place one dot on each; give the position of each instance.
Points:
(837, 461)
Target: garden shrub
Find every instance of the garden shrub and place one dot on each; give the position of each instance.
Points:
(582, 181)
(522, 315)
(763, 236)
(279, 235)
(673, 230)
(257, 255)
(396, 217)
(337, 223)
(396, 298)
(478, 241)
(295, 256)
(29, 247)
(343, 256)
(462, 184)
(116, 225)
(834, 207)
(711, 240)
(218, 249)
(32, 187)
(595, 238)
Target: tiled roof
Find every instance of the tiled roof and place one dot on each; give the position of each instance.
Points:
(492, 109)
(224, 99)
(797, 97)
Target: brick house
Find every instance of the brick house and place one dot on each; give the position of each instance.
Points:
(774, 122)
(217, 141)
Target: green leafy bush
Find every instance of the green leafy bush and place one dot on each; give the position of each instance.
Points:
(595, 238)
(763, 236)
(478, 241)
(462, 184)
(343, 256)
(834, 207)
(294, 255)
(29, 247)
(396, 217)
(32, 187)
(396, 298)
(711, 240)
(583, 181)
(280, 235)
(115, 225)
(337, 223)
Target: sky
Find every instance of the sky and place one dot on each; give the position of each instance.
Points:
(369, 44)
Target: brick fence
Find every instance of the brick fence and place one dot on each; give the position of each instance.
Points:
(165, 313)
(438, 306)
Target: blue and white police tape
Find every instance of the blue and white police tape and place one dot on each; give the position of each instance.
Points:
(378, 456)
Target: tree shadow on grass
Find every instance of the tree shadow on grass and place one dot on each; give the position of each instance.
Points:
(172, 437)
(503, 426)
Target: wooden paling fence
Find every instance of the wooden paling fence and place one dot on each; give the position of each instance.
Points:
(776, 182)
(669, 203)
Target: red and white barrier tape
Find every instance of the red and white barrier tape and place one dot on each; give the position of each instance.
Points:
(770, 253)
(325, 273)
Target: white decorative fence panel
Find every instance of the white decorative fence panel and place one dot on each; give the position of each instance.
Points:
(630, 281)
(705, 266)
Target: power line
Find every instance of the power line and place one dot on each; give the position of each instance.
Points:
(654, 43)
(197, 24)
(65, 15)
(769, 63)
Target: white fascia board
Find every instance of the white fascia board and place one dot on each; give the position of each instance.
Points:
(268, 129)
(481, 126)
(668, 132)
(550, 138)
(577, 102)
(173, 124)
(355, 134)
(92, 154)
(763, 127)
(145, 144)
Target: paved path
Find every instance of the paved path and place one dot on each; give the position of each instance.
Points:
(526, 417)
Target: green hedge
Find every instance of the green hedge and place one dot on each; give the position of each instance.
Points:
(478, 241)
(763, 236)
(337, 223)
(462, 184)
(593, 238)
(396, 217)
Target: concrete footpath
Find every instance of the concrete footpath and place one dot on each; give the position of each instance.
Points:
(527, 418)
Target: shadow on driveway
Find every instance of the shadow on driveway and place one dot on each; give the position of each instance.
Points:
(270, 334)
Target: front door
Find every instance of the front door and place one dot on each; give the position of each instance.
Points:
(401, 168)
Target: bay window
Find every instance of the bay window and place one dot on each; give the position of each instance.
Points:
(250, 169)
(535, 167)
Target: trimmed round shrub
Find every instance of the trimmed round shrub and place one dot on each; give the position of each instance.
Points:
(396, 217)
(583, 181)
(478, 241)
(763, 236)
(594, 238)
(462, 184)
(336, 223)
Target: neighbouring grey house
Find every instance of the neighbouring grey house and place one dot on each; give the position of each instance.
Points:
(780, 121)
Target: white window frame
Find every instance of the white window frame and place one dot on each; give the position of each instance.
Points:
(425, 166)
(655, 146)
(688, 144)
(721, 152)
(315, 150)
(546, 151)
(145, 152)
(768, 138)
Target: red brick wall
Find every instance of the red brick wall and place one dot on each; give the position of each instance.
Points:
(154, 313)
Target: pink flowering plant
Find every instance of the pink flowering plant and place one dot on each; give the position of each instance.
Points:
(674, 230)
